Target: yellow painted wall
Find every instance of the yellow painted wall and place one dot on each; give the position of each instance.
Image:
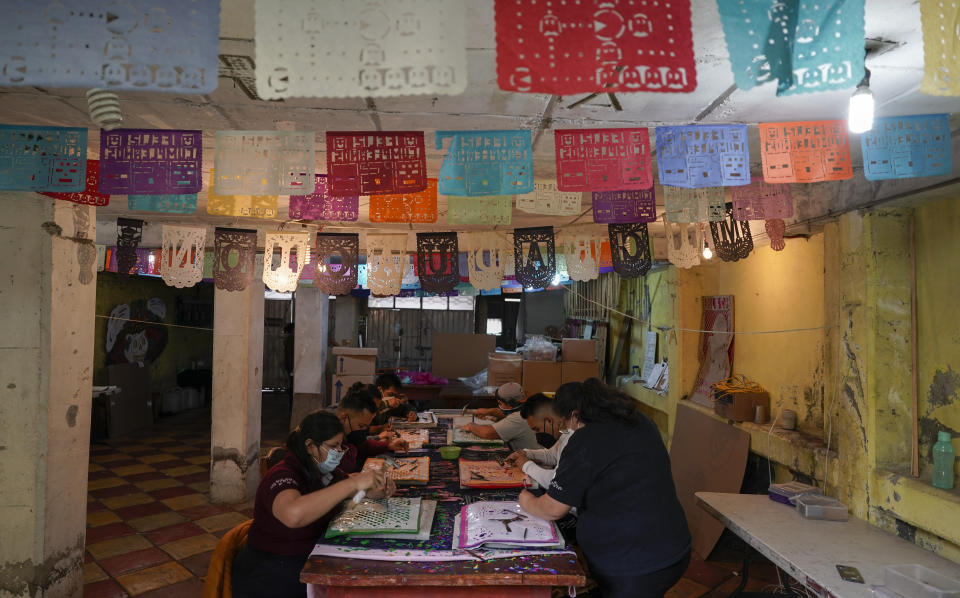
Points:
(855, 377)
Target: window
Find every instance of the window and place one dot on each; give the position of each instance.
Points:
(461, 303)
(494, 326)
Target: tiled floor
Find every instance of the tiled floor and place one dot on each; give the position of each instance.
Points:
(151, 527)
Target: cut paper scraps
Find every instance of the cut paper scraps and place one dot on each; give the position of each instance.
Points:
(535, 256)
(181, 263)
(294, 249)
(581, 248)
(805, 46)
(171, 204)
(438, 262)
(805, 152)
(375, 163)
(566, 48)
(901, 147)
(234, 258)
(494, 210)
(486, 162)
(248, 206)
(377, 48)
(263, 162)
(43, 158)
(547, 199)
(684, 243)
(732, 240)
(129, 235)
(150, 162)
(337, 261)
(630, 246)
(322, 206)
(603, 159)
(693, 205)
(639, 205)
(941, 47)
(761, 201)
(418, 207)
(136, 44)
(487, 255)
(89, 196)
(703, 156)
(386, 259)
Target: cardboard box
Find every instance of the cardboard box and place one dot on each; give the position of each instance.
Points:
(578, 371)
(741, 406)
(353, 361)
(503, 368)
(575, 349)
(540, 376)
(339, 385)
(461, 355)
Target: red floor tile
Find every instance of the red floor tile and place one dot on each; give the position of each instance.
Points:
(141, 452)
(202, 476)
(169, 464)
(194, 453)
(201, 511)
(173, 532)
(95, 506)
(99, 475)
(103, 589)
(138, 559)
(106, 532)
(151, 508)
(165, 443)
(198, 563)
(143, 477)
(171, 492)
(115, 491)
(184, 589)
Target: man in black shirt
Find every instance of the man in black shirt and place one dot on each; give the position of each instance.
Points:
(616, 472)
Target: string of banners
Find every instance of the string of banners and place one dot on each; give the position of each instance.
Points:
(383, 48)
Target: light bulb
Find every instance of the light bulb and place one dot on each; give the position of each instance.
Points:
(556, 280)
(707, 252)
(860, 113)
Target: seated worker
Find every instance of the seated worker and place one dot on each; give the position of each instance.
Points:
(294, 502)
(393, 403)
(512, 429)
(355, 411)
(616, 472)
(540, 464)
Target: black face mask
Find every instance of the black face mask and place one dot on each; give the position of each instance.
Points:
(511, 410)
(357, 437)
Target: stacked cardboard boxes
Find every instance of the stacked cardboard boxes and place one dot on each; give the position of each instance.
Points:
(579, 360)
(349, 366)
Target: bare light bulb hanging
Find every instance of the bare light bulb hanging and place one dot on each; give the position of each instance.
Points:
(860, 111)
(707, 252)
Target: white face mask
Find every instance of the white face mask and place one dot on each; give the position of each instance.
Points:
(330, 463)
(569, 430)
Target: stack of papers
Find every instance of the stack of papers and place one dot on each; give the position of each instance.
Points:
(503, 525)
(385, 515)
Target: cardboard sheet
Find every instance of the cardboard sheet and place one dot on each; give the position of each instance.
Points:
(707, 455)
(461, 355)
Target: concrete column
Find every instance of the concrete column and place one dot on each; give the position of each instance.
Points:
(237, 386)
(47, 302)
(309, 352)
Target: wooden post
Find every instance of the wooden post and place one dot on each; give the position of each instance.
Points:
(915, 434)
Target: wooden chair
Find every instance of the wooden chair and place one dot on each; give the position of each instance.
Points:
(217, 583)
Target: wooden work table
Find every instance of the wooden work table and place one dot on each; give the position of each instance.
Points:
(809, 550)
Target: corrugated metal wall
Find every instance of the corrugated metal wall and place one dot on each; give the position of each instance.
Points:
(418, 327)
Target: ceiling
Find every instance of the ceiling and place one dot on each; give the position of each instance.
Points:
(893, 26)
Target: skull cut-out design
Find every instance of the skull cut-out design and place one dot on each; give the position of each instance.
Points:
(386, 258)
(684, 243)
(581, 252)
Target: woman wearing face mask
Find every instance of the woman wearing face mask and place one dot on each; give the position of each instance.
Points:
(616, 472)
(294, 502)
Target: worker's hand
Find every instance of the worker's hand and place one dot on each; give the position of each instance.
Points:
(387, 435)
(398, 445)
(468, 428)
(412, 416)
(392, 401)
(525, 499)
(371, 480)
(517, 459)
(389, 489)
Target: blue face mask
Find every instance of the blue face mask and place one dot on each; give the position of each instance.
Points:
(330, 463)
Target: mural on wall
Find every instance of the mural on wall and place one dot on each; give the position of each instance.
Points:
(131, 336)
(716, 347)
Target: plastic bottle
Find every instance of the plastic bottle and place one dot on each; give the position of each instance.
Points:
(943, 458)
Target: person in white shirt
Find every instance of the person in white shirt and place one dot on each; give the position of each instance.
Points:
(540, 465)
